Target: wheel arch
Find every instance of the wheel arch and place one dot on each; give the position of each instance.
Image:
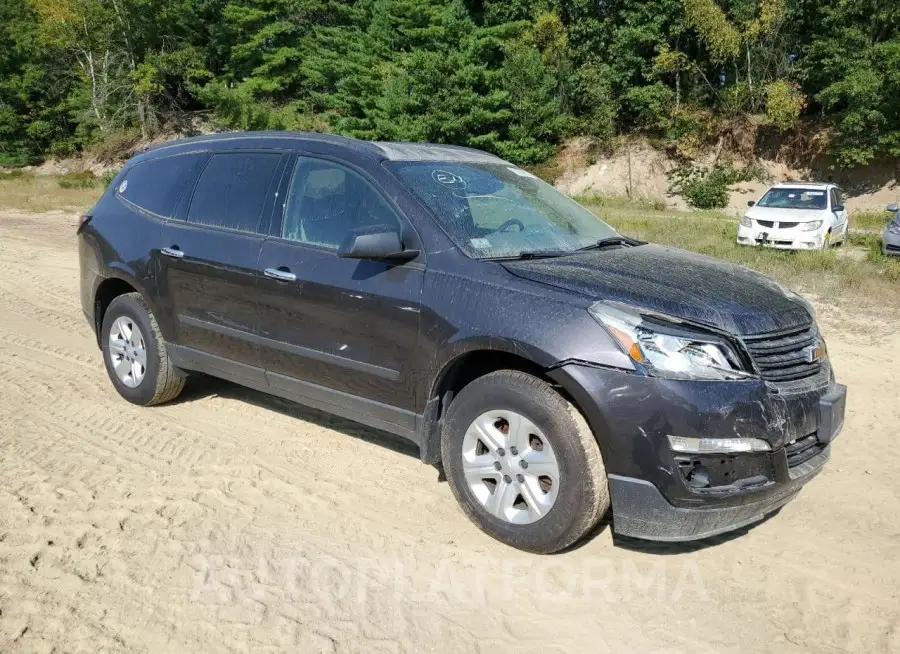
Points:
(120, 281)
(462, 369)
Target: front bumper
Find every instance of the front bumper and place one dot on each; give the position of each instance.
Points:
(890, 243)
(641, 511)
(653, 490)
(782, 239)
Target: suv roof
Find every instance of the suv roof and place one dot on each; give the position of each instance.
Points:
(382, 150)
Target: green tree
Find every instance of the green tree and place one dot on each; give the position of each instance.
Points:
(37, 117)
(511, 76)
(852, 72)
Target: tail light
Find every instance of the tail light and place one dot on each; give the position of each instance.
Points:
(83, 220)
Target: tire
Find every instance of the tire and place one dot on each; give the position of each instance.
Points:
(160, 381)
(581, 494)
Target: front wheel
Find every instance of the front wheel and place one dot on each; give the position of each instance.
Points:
(523, 463)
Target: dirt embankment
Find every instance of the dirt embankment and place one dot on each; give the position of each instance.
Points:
(635, 168)
(228, 521)
(644, 169)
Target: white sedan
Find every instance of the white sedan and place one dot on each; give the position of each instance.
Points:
(796, 216)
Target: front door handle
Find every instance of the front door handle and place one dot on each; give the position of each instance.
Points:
(281, 274)
(173, 252)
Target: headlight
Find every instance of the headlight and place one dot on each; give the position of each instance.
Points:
(746, 222)
(894, 228)
(812, 226)
(669, 349)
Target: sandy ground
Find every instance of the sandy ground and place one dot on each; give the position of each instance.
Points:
(229, 522)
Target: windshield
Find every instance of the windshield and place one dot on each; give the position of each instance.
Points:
(499, 210)
(794, 198)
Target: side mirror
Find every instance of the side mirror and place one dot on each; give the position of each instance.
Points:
(375, 242)
(893, 208)
(837, 207)
(751, 203)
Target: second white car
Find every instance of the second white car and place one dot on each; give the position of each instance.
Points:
(796, 216)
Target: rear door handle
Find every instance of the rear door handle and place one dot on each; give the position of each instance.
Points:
(281, 274)
(173, 252)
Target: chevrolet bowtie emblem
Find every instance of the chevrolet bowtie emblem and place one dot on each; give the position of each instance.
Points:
(815, 352)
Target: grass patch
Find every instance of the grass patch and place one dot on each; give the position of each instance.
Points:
(621, 206)
(9, 175)
(856, 270)
(874, 221)
(83, 179)
(29, 192)
(622, 202)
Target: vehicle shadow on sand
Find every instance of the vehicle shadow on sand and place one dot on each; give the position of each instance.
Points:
(200, 387)
(660, 547)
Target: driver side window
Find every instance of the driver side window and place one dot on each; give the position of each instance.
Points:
(327, 201)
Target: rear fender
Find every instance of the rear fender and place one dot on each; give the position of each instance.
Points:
(122, 272)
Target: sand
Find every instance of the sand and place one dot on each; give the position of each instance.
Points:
(228, 521)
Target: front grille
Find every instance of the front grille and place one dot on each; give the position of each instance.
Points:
(802, 450)
(769, 224)
(892, 248)
(784, 356)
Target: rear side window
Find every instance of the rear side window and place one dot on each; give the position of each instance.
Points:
(232, 190)
(158, 184)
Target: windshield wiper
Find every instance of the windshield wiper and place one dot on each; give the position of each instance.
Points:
(531, 254)
(612, 240)
(551, 254)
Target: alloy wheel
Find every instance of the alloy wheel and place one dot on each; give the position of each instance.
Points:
(510, 467)
(127, 352)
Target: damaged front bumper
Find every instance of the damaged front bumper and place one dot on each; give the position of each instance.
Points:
(658, 494)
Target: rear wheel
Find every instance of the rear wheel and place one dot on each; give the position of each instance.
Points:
(135, 353)
(523, 463)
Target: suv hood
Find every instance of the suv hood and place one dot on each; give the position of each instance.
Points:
(682, 284)
(786, 215)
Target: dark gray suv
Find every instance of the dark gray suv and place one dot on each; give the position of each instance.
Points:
(555, 368)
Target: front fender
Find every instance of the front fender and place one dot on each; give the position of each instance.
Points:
(481, 353)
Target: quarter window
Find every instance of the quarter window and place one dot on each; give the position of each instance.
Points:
(157, 185)
(233, 189)
(327, 201)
